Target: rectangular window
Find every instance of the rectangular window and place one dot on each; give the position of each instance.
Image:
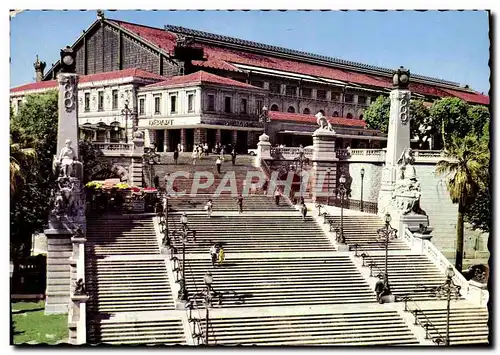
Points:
(227, 104)
(362, 100)
(348, 98)
(291, 90)
(259, 106)
(87, 101)
(190, 102)
(141, 106)
(211, 103)
(100, 100)
(157, 105)
(173, 104)
(244, 106)
(257, 83)
(274, 88)
(321, 94)
(19, 103)
(335, 96)
(115, 99)
(306, 92)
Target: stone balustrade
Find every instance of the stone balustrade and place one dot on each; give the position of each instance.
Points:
(114, 147)
(378, 155)
(77, 322)
(290, 152)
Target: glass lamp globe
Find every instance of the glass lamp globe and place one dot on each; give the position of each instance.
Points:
(68, 60)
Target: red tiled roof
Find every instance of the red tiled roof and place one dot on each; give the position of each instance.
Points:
(476, 97)
(136, 73)
(201, 77)
(163, 39)
(311, 119)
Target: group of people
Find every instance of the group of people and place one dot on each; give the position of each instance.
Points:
(209, 206)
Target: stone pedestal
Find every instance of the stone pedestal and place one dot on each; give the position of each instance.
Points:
(324, 172)
(263, 150)
(398, 139)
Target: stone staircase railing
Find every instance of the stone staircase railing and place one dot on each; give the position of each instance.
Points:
(77, 310)
(472, 290)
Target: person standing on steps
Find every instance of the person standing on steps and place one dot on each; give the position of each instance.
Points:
(240, 203)
(184, 221)
(194, 155)
(233, 156)
(303, 209)
(277, 195)
(208, 208)
(218, 163)
(176, 156)
(213, 253)
(205, 148)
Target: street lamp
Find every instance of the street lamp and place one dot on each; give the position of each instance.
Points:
(301, 160)
(362, 178)
(150, 157)
(208, 278)
(342, 191)
(264, 118)
(127, 111)
(385, 234)
(328, 171)
(183, 293)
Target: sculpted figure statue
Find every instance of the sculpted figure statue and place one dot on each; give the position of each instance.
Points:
(323, 122)
(67, 158)
(405, 162)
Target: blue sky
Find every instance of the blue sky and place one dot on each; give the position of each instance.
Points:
(449, 45)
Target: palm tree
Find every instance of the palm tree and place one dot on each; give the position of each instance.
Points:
(466, 170)
(19, 159)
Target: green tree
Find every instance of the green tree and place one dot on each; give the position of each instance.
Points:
(20, 160)
(451, 115)
(376, 115)
(35, 126)
(465, 176)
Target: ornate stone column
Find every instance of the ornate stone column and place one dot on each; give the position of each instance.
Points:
(263, 150)
(398, 138)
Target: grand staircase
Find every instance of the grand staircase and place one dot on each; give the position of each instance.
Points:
(283, 281)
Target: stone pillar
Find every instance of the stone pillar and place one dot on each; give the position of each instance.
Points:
(324, 170)
(234, 138)
(398, 139)
(67, 126)
(263, 150)
(183, 138)
(217, 135)
(166, 143)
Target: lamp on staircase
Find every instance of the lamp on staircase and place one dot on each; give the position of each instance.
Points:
(342, 191)
(208, 278)
(385, 234)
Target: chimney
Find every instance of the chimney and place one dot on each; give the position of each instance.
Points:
(39, 68)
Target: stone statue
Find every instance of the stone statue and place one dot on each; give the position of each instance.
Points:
(79, 288)
(67, 159)
(405, 162)
(323, 122)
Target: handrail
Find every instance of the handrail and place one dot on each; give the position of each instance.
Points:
(416, 311)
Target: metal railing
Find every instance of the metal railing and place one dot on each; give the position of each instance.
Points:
(437, 338)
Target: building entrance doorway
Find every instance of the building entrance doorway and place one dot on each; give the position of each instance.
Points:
(211, 138)
(189, 140)
(174, 139)
(160, 140)
(242, 142)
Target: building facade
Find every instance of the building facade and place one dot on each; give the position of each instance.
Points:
(293, 85)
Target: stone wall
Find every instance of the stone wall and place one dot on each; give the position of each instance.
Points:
(371, 181)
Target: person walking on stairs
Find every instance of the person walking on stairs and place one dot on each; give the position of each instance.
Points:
(194, 155)
(176, 156)
(303, 209)
(213, 253)
(218, 163)
(221, 255)
(277, 195)
(240, 203)
(208, 208)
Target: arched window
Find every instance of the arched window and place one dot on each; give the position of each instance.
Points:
(361, 116)
(291, 109)
(335, 113)
(349, 115)
(307, 111)
(274, 107)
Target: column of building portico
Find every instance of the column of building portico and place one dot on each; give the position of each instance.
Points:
(183, 138)
(200, 135)
(324, 172)
(234, 138)
(218, 135)
(166, 142)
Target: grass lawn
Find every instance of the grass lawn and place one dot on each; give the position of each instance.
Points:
(31, 325)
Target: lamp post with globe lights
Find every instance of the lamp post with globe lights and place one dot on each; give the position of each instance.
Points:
(385, 234)
(362, 178)
(126, 111)
(264, 118)
(342, 191)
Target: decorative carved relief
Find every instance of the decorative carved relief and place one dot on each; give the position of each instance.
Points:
(404, 108)
(69, 83)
